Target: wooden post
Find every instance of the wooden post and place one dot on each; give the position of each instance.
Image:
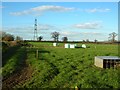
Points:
(37, 54)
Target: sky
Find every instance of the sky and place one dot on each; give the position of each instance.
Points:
(76, 20)
(60, 0)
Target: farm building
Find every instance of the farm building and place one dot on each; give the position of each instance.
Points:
(107, 61)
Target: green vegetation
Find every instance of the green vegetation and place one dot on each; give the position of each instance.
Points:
(58, 67)
(14, 62)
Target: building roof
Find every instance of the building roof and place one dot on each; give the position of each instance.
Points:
(109, 57)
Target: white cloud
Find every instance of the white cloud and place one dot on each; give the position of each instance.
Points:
(74, 36)
(51, 8)
(25, 12)
(68, 33)
(88, 25)
(27, 32)
(45, 27)
(71, 33)
(40, 9)
(97, 10)
(28, 29)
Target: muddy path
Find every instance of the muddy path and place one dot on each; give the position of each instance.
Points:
(19, 77)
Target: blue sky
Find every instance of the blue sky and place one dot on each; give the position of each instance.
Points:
(76, 20)
(60, 0)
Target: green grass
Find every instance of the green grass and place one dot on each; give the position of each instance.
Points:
(58, 67)
(13, 63)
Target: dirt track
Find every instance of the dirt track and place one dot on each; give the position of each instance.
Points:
(18, 77)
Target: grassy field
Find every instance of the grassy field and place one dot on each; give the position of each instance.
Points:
(59, 67)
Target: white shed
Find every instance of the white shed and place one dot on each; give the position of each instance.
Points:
(67, 45)
(107, 61)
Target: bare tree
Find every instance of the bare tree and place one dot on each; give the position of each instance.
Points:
(55, 35)
(18, 38)
(112, 36)
(83, 41)
(7, 37)
(65, 39)
(40, 38)
(95, 41)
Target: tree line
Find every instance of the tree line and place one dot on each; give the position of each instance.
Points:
(55, 35)
(111, 38)
(9, 37)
